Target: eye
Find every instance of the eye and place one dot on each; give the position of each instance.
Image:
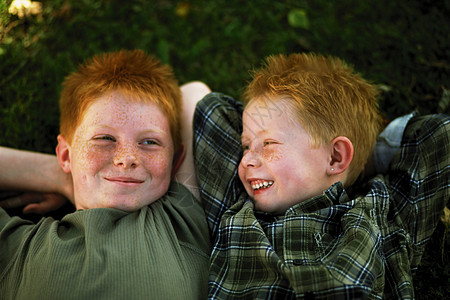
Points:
(267, 143)
(149, 142)
(104, 138)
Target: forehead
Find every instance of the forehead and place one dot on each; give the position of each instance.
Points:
(263, 112)
(119, 110)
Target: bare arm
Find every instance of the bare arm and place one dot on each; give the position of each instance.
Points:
(192, 93)
(31, 171)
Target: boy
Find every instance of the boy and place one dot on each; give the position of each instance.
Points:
(286, 219)
(135, 232)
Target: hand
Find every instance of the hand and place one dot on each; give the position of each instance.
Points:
(38, 203)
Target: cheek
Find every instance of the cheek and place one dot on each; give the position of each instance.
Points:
(89, 157)
(270, 155)
(98, 155)
(159, 164)
(241, 172)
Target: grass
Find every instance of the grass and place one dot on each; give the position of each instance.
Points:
(401, 45)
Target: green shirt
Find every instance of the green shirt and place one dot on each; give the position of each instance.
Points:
(159, 252)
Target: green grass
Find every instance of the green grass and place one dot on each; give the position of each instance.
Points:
(401, 45)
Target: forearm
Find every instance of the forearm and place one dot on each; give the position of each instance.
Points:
(192, 93)
(31, 171)
(217, 153)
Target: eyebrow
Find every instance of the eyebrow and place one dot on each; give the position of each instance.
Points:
(146, 130)
(257, 133)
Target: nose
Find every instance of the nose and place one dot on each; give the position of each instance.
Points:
(126, 157)
(251, 159)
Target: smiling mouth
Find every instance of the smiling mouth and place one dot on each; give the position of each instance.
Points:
(124, 180)
(261, 184)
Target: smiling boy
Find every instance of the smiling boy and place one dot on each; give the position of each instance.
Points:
(135, 232)
(121, 155)
(287, 219)
(278, 160)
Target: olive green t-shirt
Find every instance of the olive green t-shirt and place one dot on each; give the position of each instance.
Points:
(158, 252)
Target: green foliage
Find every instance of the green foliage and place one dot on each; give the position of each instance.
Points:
(298, 18)
(401, 45)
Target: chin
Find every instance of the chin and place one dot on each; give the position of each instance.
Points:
(266, 208)
(128, 206)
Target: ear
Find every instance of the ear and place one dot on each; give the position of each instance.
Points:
(63, 154)
(178, 159)
(341, 155)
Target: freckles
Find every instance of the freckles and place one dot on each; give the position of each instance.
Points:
(132, 200)
(88, 157)
(93, 155)
(271, 155)
(157, 162)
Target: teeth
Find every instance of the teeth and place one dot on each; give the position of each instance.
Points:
(262, 184)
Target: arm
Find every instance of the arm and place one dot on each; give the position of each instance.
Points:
(30, 171)
(37, 172)
(388, 144)
(217, 153)
(419, 179)
(192, 93)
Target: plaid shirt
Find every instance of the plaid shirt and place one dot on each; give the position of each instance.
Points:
(362, 242)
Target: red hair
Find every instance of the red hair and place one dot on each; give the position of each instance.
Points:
(135, 74)
(328, 98)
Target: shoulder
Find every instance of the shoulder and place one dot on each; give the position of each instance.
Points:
(421, 128)
(428, 123)
(426, 144)
(185, 214)
(181, 206)
(180, 198)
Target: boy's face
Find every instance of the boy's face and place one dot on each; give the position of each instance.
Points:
(121, 154)
(279, 168)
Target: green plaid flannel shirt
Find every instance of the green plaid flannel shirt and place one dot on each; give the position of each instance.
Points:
(363, 242)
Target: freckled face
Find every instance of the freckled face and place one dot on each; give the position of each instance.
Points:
(121, 154)
(279, 168)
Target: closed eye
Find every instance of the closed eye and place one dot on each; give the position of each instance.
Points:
(104, 138)
(267, 143)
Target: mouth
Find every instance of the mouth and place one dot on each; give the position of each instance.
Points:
(124, 180)
(260, 184)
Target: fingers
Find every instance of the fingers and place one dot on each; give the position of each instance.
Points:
(21, 200)
(50, 202)
(37, 203)
(11, 202)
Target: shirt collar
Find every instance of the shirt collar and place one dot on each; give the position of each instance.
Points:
(335, 194)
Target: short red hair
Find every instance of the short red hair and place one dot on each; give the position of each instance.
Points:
(137, 75)
(328, 98)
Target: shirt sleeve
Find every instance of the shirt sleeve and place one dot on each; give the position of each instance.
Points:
(217, 153)
(14, 233)
(419, 179)
(388, 143)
